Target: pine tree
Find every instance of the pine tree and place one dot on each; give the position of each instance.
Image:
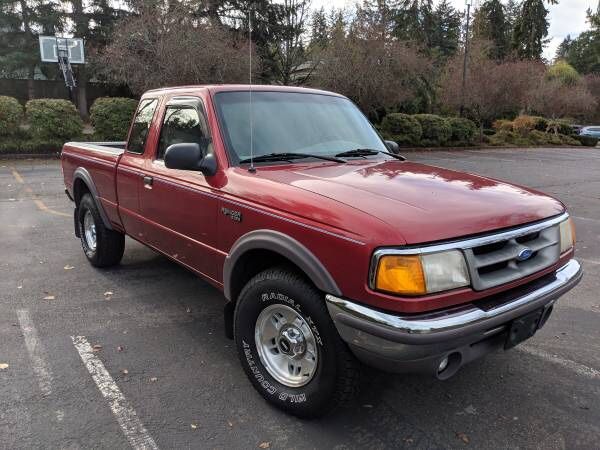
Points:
(563, 49)
(531, 30)
(21, 23)
(446, 28)
(319, 32)
(583, 53)
(491, 24)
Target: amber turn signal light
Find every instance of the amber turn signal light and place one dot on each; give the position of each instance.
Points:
(401, 274)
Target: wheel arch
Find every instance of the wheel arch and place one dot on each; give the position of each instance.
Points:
(82, 183)
(286, 248)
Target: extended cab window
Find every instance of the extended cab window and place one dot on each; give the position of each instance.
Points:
(182, 124)
(141, 126)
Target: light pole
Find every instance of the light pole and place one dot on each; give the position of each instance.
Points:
(464, 74)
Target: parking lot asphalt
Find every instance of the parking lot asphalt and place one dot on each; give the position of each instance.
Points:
(136, 355)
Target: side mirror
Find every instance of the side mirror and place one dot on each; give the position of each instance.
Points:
(392, 146)
(190, 156)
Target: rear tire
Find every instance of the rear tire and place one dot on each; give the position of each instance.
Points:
(102, 247)
(289, 346)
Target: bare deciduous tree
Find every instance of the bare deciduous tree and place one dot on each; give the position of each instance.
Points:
(493, 89)
(551, 98)
(162, 47)
(370, 67)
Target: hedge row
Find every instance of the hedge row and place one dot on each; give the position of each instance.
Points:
(428, 130)
(46, 124)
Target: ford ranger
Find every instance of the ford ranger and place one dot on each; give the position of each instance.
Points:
(330, 248)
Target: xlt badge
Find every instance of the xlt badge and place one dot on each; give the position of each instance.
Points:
(236, 216)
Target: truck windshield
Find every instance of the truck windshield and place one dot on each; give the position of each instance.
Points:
(292, 122)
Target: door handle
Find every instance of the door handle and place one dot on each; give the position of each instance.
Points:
(148, 182)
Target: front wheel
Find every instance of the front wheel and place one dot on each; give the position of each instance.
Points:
(102, 247)
(289, 347)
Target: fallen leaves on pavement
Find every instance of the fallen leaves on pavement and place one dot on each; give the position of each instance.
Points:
(463, 437)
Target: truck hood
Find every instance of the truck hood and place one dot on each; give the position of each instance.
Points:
(423, 203)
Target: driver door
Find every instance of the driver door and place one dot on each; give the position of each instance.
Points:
(179, 205)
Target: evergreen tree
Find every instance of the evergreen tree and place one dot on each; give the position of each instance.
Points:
(318, 29)
(21, 23)
(583, 53)
(563, 49)
(531, 29)
(490, 23)
(446, 27)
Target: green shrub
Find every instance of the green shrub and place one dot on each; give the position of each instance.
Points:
(588, 141)
(567, 139)
(14, 145)
(53, 119)
(564, 73)
(560, 126)
(436, 130)
(11, 115)
(463, 130)
(502, 125)
(111, 117)
(402, 128)
(489, 131)
(541, 123)
(504, 138)
(538, 137)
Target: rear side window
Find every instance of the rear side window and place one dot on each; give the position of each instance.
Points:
(141, 125)
(182, 124)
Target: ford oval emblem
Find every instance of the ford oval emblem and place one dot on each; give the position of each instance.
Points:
(525, 254)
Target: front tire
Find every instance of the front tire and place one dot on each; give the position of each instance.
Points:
(102, 247)
(289, 346)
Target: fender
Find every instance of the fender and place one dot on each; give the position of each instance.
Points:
(286, 246)
(82, 174)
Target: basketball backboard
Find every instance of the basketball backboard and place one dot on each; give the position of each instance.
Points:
(50, 46)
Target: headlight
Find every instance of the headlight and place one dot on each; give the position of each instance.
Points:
(567, 235)
(421, 274)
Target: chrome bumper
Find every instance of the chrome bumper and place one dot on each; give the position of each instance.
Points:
(417, 336)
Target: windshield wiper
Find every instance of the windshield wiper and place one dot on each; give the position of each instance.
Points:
(368, 152)
(288, 156)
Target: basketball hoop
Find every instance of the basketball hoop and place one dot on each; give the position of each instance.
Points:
(64, 51)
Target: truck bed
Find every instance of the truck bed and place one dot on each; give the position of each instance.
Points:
(100, 160)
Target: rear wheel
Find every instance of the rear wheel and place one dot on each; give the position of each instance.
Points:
(102, 247)
(289, 347)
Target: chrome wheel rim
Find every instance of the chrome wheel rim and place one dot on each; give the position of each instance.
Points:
(286, 345)
(89, 230)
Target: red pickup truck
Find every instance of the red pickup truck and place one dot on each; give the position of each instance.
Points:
(330, 247)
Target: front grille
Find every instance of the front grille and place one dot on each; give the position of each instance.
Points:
(497, 262)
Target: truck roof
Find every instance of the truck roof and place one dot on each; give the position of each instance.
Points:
(214, 88)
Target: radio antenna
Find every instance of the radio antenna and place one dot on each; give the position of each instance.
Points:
(251, 168)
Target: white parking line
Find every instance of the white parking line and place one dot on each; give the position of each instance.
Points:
(132, 427)
(588, 372)
(36, 352)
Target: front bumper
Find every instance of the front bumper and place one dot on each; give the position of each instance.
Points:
(419, 342)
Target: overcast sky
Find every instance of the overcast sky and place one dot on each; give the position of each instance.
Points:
(568, 17)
